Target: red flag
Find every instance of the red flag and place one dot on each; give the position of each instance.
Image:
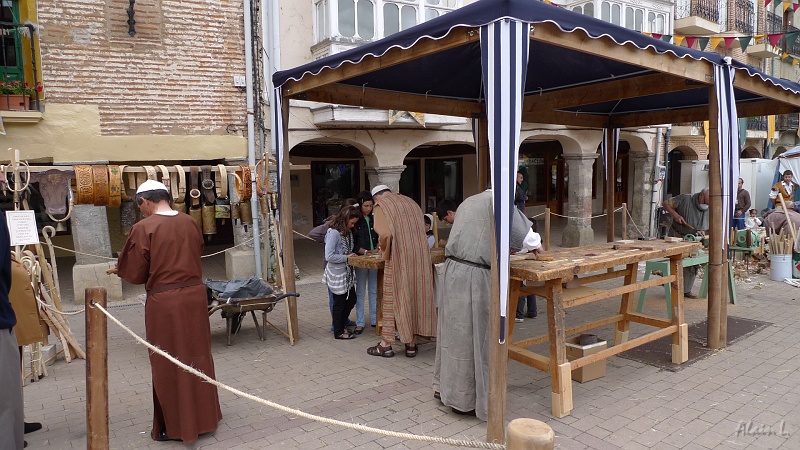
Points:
(774, 38)
(657, 35)
(690, 41)
(729, 42)
(795, 6)
(767, 2)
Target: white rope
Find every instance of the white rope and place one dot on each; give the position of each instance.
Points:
(407, 436)
(74, 313)
(590, 217)
(634, 223)
(303, 235)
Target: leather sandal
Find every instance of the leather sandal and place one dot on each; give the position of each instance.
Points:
(358, 330)
(411, 351)
(380, 350)
(346, 335)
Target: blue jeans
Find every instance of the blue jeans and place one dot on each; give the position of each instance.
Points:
(362, 276)
(738, 222)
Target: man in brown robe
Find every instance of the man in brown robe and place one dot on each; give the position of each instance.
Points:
(163, 253)
(408, 304)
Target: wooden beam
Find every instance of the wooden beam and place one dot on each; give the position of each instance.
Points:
(376, 98)
(286, 231)
(617, 349)
(565, 118)
(715, 221)
(700, 71)
(457, 37)
(498, 360)
(762, 88)
(764, 108)
(638, 86)
(610, 184)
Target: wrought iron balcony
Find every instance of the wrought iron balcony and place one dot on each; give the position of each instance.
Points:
(757, 123)
(787, 122)
(705, 9)
(745, 19)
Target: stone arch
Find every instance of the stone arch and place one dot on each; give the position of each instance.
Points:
(778, 151)
(677, 154)
(750, 152)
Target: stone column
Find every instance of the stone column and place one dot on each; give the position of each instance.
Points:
(92, 243)
(388, 175)
(640, 206)
(578, 231)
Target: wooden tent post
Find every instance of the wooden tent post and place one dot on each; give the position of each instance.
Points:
(498, 361)
(484, 161)
(546, 229)
(96, 370)
(610, 184)
(715, 272)
(286, 226)
(624, 221)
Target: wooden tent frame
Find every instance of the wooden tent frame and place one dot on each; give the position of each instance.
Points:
(673, 74)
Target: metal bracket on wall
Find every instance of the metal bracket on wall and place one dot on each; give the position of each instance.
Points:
(131, 21)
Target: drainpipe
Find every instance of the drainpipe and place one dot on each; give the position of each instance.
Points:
(251, 138)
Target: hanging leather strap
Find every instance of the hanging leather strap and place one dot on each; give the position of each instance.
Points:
(244, 185)
(140, 178)
(114, 186)
(179, 185)
(194, 193)
(100, 178)
(222, 181)
(207, 184)
(84, 185)
(151, 173)
(165, 177)
(123, 190)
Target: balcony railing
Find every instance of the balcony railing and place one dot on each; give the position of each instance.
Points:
(757, 123)
(10, 57)
(705, 9)
(787, 122)
(745, 16)
(774, 24)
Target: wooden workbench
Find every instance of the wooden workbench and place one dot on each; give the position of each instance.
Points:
(583, 266)
(376, 262)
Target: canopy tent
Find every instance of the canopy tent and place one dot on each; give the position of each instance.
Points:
(789, 160)
(509, 61)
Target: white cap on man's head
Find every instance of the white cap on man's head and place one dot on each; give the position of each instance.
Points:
(379, 188)
(151, 185)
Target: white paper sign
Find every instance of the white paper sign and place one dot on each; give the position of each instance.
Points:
(22, 227)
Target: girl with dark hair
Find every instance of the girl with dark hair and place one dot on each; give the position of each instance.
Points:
(338, 274)
(365, 243)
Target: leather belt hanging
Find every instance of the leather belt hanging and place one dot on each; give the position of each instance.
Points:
(123, 191)
(84, 185)
(179, 189)
(100, 178)
(222, 208)
(195, 211)
(127, 208)
(151, 173)
(114, 186)
(165, 179)
(209, 208)
(244, 188)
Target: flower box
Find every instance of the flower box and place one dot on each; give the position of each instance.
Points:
(15, 102)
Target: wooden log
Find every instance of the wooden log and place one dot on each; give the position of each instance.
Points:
(529, 434)
(624, 221)
(96, 370)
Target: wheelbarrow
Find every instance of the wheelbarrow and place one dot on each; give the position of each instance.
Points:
(234, 308)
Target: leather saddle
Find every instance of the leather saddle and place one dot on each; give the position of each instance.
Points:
(54, 185)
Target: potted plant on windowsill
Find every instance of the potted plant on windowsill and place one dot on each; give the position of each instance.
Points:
(16, 95)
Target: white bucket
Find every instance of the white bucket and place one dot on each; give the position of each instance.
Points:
(780, 267)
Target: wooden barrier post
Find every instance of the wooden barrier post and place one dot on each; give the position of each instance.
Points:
(547, 229)
(435, 226)
(96, 370)
(529, 434)
(624, 221)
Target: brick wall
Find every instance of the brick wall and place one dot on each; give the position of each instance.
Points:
(174, 77)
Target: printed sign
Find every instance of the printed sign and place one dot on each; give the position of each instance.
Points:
(22, 227)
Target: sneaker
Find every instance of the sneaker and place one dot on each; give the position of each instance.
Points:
(519, 320)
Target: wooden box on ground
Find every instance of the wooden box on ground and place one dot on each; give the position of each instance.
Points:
(592, 371)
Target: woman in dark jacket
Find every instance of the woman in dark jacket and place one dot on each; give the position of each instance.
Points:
(365, 242)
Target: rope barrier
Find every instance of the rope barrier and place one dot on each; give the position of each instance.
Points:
(634, 223)
(358, 427)
(580, 218)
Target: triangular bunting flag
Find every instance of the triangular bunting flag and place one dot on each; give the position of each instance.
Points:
(647, 33)
(795, 6)
(703, 42)
(791, 38)
(715, 41)
(786, 5)
(767, 2)
(657, 35)
(784, 56)
(666, 38)
(774, 38)
(729, 42)
(394, 114)
(690, 41)
(796, 62)
(744, 41)
(679, 39)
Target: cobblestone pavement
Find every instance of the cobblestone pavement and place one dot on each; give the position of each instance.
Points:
(747, 396)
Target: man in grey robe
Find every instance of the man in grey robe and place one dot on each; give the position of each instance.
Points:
(689, 216)
(462, 343)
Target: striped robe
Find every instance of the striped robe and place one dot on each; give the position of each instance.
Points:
(408, 302)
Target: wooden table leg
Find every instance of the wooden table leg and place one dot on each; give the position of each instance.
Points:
(623, 326)
(378, 304)
(513, 302)
(560, 370)
(680, 340)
